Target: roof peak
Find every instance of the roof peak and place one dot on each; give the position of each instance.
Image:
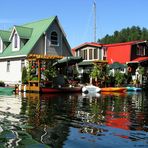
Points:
(52, 17)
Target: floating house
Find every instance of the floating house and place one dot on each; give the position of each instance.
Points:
(128, 52)
(91, 53)
(43, 38)
(133, 54)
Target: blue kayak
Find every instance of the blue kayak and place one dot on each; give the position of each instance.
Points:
(133, 88)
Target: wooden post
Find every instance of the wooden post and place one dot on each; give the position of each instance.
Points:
(39, 70)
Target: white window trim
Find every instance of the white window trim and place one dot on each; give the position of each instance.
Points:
(57, 38)
(13, 42)
(1, 45)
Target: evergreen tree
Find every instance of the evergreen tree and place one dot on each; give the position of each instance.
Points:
(125, 35)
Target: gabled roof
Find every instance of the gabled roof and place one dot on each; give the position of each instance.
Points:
(38, 29)
(23, 32)
(4, 35)
(93, 44)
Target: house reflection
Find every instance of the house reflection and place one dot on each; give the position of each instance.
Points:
(53, 115)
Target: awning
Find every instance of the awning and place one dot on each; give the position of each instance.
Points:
(139, 60)
(85, 63)
(67, 61)
(117, 65)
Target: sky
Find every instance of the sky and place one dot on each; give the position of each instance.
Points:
(77, 16)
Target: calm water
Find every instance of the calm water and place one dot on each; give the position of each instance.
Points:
(74, 120)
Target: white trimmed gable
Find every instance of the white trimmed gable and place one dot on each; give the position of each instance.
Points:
(15, 39)
(1, 45)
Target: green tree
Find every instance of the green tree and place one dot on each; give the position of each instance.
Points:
(119, 78)
(125, 35)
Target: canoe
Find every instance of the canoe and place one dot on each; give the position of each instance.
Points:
(90, 89)
(113, 89)
(61, 90)
(133, 88)
(6, 90)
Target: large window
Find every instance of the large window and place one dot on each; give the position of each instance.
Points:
(54, 38)
(85, 54)
(90, 54)
(95, 53)
(8, 66)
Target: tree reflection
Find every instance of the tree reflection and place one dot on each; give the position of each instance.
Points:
(52, 115)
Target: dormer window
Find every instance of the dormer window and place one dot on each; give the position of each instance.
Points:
(54, 38)
(15, 42)
(1, 46)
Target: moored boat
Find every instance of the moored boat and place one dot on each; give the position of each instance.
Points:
(6, 89)
(90, 89)
(113, 89)
(61, 89)
(129, 88)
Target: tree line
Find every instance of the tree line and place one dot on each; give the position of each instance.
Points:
(125, 35)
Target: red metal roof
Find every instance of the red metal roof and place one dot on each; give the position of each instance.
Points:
(125, 43)
(139, 59)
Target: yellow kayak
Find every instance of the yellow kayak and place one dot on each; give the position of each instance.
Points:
(113, 89)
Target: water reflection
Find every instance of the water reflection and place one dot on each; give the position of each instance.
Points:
(76, 120)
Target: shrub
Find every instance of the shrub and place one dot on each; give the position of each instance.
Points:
(2, 84)
(24, 75)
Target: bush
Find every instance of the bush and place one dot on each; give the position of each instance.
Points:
(119, 78)
(24, 75)
(2, 84)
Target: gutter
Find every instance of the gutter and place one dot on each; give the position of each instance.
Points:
(10, 57)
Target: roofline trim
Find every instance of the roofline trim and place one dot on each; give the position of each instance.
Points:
(9, 57)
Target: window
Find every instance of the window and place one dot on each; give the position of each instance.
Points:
(90, 54)
(15, 41)
(1, 45)
(85, 54)
(81, 54)
(95, 53)
(8, 66)
(77, 54)
(54, 38)
(140, 50)
(22, 64)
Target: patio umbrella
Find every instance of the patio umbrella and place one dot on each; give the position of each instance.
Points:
(116, 65)
(67, 61)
